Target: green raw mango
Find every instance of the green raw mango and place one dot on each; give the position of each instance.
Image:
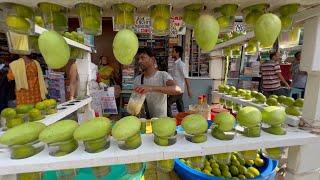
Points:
(273, 115)
(249, 116)
(125, 46)
(22, 134)
(200, 138)
(276, 130)
(54, 49)
(206, 32)
(93, 129)
(194, 124)
(164, 127)
(96, 145)
(126, 128)
(234, 170)
(161, 141)
(58, 132)
(133, 142)
(10, 123)
(69, 147)
(8, 113)
(254, 171)
(252, 131)
(292, 110)
(267, 29)
(22, 152)
(217, 133)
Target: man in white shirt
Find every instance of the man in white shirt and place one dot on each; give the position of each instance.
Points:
(180, 75)
(155, 84)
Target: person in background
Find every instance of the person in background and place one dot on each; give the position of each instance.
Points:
(105, 72)
(4, 86)
(29, 80)
(299, 78)
(155, 84)
(180, 75)
(271, 76)
(73, 77)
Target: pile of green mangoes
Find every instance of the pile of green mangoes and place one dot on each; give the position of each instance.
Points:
(236, 168)
(28, 112)
(75, 52)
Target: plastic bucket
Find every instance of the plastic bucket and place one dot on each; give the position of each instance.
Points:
(180, 116)
(267, 172)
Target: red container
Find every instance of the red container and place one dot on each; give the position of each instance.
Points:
(180, 116)
(216, 110)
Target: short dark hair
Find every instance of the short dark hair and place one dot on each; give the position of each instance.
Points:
(297, 54)
(147, 51)
(272, 54)
(179, 50)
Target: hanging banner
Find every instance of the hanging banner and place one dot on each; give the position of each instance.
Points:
(177, 26)
(142, 25)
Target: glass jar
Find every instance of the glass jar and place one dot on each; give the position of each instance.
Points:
(274, 153)
(123, 16)
(26, 150)
(101, 171)
(160, 19)
(165, 165)
(90, 18)
(18, 18)
(66, 174)
(249, 154)
(62, 148)
(97, 145)
(222, 135)
(223, 158)
(197, 161)
(30, 176)
(165, 141)
(54, 16)
(134, 168)
(199, 138)
(132, 142)
(143, 125)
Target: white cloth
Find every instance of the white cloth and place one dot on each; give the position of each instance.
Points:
(179, 73)
(157, 102)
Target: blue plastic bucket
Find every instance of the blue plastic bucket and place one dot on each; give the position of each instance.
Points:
(267, 172)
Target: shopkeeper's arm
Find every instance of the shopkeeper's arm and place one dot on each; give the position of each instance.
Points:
(73, 80)
(171, 88)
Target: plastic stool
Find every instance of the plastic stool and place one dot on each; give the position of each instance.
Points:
(295, 91)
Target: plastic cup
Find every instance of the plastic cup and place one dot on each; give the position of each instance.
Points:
(26, 150)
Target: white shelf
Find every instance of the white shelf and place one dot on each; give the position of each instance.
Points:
(50, 119)
(290, 120)
(237, 40)
(149, 151)
(40, 30)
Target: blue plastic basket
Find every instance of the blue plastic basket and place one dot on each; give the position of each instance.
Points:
(267, 172)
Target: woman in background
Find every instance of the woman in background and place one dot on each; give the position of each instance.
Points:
(105, 72)
(29, 80)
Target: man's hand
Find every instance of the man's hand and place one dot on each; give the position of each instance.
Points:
(143, 89)
(190, 93)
